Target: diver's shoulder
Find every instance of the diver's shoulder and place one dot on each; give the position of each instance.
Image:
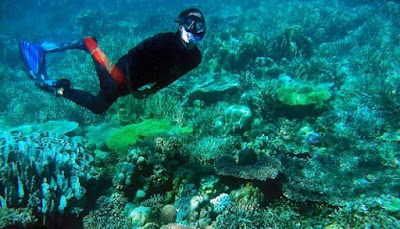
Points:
(152, 42)
(164, 36)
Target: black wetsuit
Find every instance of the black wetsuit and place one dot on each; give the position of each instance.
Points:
(159, 60)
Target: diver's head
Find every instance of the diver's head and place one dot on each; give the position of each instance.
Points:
(191, 26)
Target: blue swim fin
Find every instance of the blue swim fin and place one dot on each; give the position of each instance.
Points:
(33, 56)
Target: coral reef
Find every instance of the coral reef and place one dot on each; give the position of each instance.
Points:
(175, 226)
(168, 214)
(291, 44)
(16, 218)
(194, 211)
(236, 118)
(265, 168)
(109, 213)
(54, 126)
(140, 216)
(210, 88)
(207, 149)
(300, 95)
(221, 202)
(290, 121)
(45, 171)
(126, 137)
(367, 212)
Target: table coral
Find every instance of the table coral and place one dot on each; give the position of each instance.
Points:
(265, 168)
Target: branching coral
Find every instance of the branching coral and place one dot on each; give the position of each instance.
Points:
(292, 43)
(45, 171)
(367, 213)
(207, 149)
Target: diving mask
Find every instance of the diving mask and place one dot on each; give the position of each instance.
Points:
(188, 37)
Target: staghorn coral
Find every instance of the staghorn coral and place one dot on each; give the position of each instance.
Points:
(155, 202)
(24, 102)
(203, 118)
(344, 38)
(209, 148)
(292, 43)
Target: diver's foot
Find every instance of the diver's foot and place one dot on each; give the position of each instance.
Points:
(55, 87)
(61, 85)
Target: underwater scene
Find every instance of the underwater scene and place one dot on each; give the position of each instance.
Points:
(200, 114)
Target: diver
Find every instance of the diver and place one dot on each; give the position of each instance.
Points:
(147, 68)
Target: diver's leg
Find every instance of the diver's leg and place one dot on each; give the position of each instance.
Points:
(102, 63)
(34, 59)
(50, 47)
(96, 104)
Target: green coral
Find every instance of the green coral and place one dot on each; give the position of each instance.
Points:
(127, 136)
(392, 204)
(295, 95)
